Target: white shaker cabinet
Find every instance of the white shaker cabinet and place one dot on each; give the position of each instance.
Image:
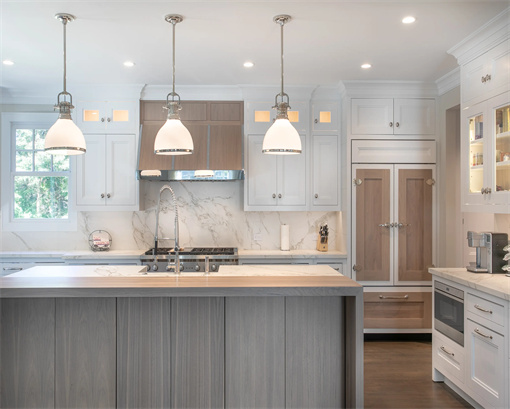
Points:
(274, 181)
(106, 173)
(485, 147)
(325, 172)
(388, 116)
(107, 116)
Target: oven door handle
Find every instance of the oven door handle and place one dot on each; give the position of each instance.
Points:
(437, 290)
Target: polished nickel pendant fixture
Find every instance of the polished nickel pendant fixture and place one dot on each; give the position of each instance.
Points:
(64, 137)
(281, 138)
(173, 138)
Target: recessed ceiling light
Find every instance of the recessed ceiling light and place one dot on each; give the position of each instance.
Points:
(129, 64)
(366, 66)
(8, 62)
(408, 20)
(248, 64)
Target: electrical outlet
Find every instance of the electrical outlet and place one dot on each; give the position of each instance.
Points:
(257, 236)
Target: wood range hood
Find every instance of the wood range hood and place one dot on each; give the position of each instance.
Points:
(216, 128)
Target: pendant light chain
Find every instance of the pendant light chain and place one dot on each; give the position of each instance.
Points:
(64, 22)
(281, 31)
(173, 58)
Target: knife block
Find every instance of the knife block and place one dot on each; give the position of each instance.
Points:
(322, 246)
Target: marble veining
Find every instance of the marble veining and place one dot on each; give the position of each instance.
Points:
(210, 214)
(497, 285)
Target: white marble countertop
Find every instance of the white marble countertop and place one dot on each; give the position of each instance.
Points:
(268, 270)
(497, 285)
(135, 254)
(290, 254)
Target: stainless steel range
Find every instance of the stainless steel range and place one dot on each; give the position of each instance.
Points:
(197, 259)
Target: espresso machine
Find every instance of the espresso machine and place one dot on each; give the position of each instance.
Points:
(489, 251)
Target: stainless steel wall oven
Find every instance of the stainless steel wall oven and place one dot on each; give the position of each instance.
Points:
(449, 311)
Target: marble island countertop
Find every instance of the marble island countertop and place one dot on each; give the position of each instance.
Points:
(75, 281)
(494, 284)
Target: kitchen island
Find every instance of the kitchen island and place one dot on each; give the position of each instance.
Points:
(230, 340)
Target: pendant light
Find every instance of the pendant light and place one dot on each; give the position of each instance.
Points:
(173, 138)
(64, 137)
(281, 138)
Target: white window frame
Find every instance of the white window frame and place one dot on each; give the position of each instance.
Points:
(11, 120)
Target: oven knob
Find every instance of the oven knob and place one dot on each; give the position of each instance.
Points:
(197, 267)
(213, 267)
(181, 268)
(154, 267)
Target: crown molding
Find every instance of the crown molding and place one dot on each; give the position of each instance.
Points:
(492, 33)
(193, 92)
(390, 89)
(448, 82)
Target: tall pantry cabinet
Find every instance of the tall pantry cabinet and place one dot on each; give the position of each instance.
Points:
(393, 211)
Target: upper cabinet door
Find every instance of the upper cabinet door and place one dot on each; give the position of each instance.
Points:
(90, 174)
(121, 162)
(372, 116)
(261, 172)
(291, 178)
(325, 171)
(414, 116)
(107, 117)
(325, 116)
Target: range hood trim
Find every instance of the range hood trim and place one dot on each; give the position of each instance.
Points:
(189, 175)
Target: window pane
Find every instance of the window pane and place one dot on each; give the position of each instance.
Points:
(24, 139)
(24, 161)
(42, 161)
(60, 163)
(38, 197)
(40, 134)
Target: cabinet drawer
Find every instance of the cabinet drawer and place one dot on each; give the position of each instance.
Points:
(398, 309)
(489, 310)
(448, 357)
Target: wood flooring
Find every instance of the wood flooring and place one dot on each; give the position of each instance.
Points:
(398, 374)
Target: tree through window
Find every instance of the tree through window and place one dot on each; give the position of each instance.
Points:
(41, 180)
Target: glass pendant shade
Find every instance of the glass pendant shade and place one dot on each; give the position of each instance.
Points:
(282, 139)
(173, 139)
(64, 138)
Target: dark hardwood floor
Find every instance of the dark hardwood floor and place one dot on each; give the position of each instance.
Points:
(398, 374)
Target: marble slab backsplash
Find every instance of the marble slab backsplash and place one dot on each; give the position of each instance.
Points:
(210, 214)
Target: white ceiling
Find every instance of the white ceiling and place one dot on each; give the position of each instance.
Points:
(326, 41)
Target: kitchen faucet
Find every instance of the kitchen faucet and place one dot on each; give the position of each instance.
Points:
(177, 265)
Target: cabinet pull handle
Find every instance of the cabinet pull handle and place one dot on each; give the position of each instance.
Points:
(391, 124)
(397, 124)
(108, 195)
(109, 120)
(102, 119)
(13, 268)
(279, 195)
(102, 195)
(445, 351)
(488, 190)
(393, 297)
(400, 225)
(316, 196)
(388, 225)
(274, 195)
(482, 334)
(482, 309)
(315, 121)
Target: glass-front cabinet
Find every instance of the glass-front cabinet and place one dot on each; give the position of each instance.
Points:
(486, 156)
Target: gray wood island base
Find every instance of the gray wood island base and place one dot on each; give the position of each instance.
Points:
(181, 342)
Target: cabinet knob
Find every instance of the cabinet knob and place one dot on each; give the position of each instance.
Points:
(108, 195)
(316, 196)
(315, 121)
(102, 119)
(108, 120)
(397, 124)
(279, 196)
(391, 124)
(274, 195)
(102, 195)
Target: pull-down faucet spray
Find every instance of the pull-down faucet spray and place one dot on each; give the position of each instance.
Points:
(177, 266)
